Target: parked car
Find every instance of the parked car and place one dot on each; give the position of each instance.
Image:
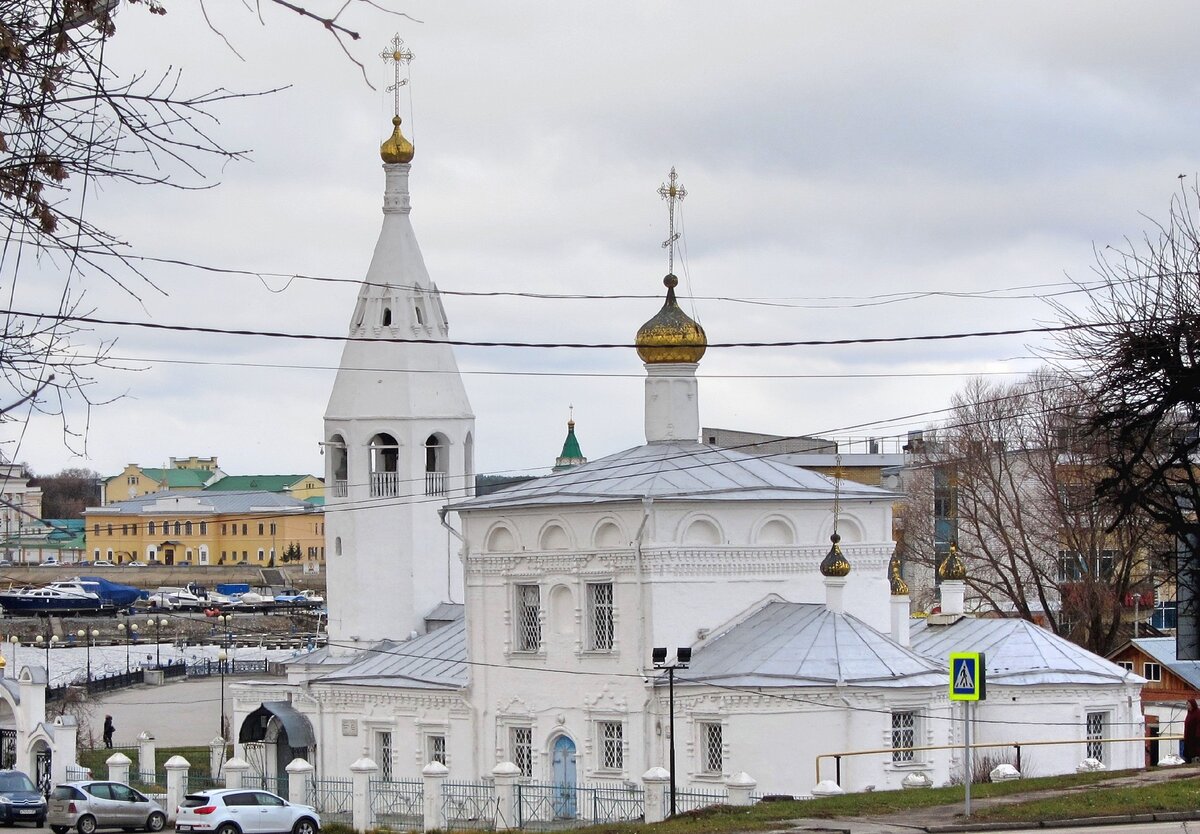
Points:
(235, 810)
(51, 562)
(103, 563)
(88, 805)
(20, 800)
(133, 564)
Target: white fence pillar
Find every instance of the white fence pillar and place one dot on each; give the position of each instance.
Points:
(434, 775)
(506, 775)
(177, 772)
(118, 767)
(216, 756)
(146, 753)
(655, 782)
(360, 773)
(299, 776)
(235, 771)
(739, 786)
(66, 740)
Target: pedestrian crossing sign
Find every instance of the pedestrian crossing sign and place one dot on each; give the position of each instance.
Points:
(968, 677)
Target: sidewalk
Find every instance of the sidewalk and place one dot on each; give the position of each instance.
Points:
(943, 819)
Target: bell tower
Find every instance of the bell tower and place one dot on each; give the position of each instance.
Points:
(399, 434)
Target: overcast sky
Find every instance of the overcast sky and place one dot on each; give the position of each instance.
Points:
(838, 157)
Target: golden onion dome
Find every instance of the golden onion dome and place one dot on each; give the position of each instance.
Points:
(952, 568)
(899, 586)
(834, 563)
(671, 336)
(396, 148)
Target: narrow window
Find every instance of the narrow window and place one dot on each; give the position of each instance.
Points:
(529, 625)
(260, 528)
(187, 528)
(903, 733)
(612, 747)
(712, 750)
(178, 528)
(600, 616)
(110, 529)
(203, 528)
(1095, 736)
(387, 316)
(383, 754)
(244, 530)
(435, 749)
(521, 744)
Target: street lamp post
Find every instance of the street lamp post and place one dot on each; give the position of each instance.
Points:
(88, 638)
(158, 624)
(16, 641)
(46, 643)
(129, 632)
(222, 656)
(683, 656)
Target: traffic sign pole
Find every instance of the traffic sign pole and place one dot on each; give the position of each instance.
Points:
(967, 754)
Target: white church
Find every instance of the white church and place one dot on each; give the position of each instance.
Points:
(520, 626)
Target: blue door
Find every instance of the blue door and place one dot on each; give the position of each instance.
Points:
(564, 778)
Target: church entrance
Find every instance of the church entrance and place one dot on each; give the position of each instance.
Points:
(564, 778)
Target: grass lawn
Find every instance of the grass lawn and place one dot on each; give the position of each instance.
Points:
(95, 759)
(1174, 795)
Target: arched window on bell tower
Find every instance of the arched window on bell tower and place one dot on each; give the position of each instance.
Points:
(436, 454)
(385, 459)
(339, 466)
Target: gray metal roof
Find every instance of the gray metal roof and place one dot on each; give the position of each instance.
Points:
(1162, 649)
(787, 644)
(1019, 652)
(437, 660)
(691, 471)
(215, 502)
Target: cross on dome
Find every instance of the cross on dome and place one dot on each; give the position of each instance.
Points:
(399, 55)
(397, 149)
(673, 192)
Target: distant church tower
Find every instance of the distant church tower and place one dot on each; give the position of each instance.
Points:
(398, 437)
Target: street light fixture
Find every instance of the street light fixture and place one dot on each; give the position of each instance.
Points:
(158, 624)
(16, 641)
(46, 643)
(129, 632)
(222, 656)
(683, 656)
(88, 639)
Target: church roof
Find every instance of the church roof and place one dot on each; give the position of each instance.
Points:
(1019, 653)
(674, 470)
(437, 660)
(787, 644)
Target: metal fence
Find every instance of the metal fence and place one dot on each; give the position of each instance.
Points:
(398, 805)
(75, 774)
(207, 667)
(333, 799)
(541, 805)
(694, 800)
(468, 805)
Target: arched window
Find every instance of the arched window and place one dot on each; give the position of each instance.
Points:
(417, 312)
(337, 546)
(338, 466)
(387, 316)
(385, 460)
(469, 463)
(436, 453)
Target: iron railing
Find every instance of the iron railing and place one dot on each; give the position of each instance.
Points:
(333, 799)
(468, 805)
(398, 805)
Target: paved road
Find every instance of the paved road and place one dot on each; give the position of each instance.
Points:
(843, 827)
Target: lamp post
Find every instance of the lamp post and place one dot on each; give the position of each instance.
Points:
(46, 643)
(16, 641)
(158, 624)
(222, 656)
(87, 637)
(129, 632)
(683, 656)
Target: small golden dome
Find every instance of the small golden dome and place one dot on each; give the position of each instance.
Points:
(396, 148)
(834, 563)
(671, 336)
(899, 586)
(952, 568)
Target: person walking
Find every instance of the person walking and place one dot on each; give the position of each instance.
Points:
(109, 729)
(1191, 733)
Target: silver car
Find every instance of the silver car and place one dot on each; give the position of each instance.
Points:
(92, 804)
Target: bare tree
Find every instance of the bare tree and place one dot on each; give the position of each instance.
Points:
(1137, 345)
(1010, 480)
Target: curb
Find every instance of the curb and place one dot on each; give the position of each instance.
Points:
(1081, 822)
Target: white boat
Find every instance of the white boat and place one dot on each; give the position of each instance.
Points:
(176, 599)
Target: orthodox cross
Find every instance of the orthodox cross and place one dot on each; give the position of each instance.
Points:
(672, 192)
(399, 54)
(837, 490)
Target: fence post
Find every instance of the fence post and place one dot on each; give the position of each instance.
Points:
(506, 775)
(146, 755)
(361, 772)
(66, 739)
(235, 772)
(177, 773)
(216, 756)
(434, 775)
(118, 767)
(299, 775)
(738, 788)
(655, 782)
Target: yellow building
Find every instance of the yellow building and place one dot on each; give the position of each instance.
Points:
(217, 528)
(301, 487)
(135, 481)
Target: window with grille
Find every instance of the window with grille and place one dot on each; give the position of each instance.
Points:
(521, 742)
(529, 625)
(712, 751)
(904, 726)
(612, 747)
(1152, 671)
(383, 754)
(600, 616)
(435, 749)
(1095, 736)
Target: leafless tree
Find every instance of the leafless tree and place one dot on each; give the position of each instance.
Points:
(1137, 344)
(1010, 479)
(69, 123)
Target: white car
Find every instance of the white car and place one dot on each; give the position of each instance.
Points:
(242, 811)
(104, 563)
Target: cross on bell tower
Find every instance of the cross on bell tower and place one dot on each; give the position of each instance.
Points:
(399, 55)
(673, 192)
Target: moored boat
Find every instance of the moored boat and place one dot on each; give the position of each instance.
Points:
(64, 597)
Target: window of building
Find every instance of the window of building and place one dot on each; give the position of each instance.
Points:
(150, 528)
(187, 528)
(96, 553)
(1127, 665)
(383, 754)
(1095, 735)
(124, 529)
(96, 530)
(260, 528)
(272, 528)
(134, 528)
(529, 625)
(712, 748)
(435, 749)
(244, 529)
(223, 529)
(1152, 671)
(612, 746)
(110, 529)
(600, 616)
(178, 529)
(133, 480)
(520, 741)
(204, 528)
(260, 554)
(904, 730)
